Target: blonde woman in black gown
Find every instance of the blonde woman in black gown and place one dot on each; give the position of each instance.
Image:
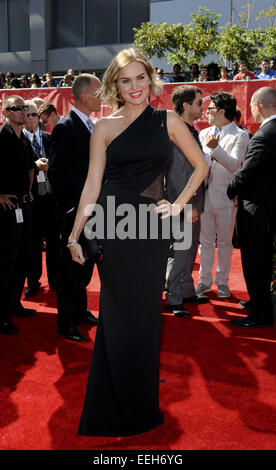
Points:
(129, 150)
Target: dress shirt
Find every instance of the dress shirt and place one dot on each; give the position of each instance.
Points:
(222, 132)
(273, 116)
(83, 117)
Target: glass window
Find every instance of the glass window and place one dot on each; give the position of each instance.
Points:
(133, 13)
(67, 23)
(3, 26)
(19, 25)
(101, 22)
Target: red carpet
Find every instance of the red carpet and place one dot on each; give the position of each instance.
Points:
(217, 383)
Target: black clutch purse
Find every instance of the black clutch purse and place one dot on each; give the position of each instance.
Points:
(92, 249)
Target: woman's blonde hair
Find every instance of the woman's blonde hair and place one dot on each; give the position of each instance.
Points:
(109, 82)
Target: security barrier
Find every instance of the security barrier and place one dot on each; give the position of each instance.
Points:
(62, 98)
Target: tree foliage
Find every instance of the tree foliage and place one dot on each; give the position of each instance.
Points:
(269, 41)
(236, 43)
(186, 44)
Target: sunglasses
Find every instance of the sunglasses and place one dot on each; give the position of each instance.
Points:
(199, 102)
(44, 121)
(18, 108)
(32, 114)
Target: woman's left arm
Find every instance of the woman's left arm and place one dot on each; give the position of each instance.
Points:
(183, 139)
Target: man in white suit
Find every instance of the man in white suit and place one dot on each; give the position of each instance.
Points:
(226, 144)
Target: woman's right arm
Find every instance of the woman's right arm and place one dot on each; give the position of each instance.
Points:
(91, 190)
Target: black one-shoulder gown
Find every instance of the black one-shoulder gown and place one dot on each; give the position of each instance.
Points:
(122, 396)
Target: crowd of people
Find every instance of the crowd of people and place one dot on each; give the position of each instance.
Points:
(213, 72)
(196, 73)
(213, 215)
(11, 81)
(224, 172)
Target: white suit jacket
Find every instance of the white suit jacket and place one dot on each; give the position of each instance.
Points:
(223, 161)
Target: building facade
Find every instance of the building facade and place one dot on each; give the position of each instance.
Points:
(53, 35)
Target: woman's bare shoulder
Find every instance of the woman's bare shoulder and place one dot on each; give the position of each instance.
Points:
(106, 128)
(175, 122)
(107, 122)
(102, 126)
(172, 117)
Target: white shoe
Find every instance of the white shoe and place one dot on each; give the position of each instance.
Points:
(223, 292)
(201, 289)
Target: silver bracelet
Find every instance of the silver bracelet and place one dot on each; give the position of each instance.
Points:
(191, 188)
(73, 242)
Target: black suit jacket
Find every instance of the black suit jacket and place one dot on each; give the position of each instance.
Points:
(69, 161)
(46, 139)
(254, 183)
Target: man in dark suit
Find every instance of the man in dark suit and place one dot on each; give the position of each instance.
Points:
(44, 216)
(16, 178)
(253, 188)
(187, 102)
(67, 172)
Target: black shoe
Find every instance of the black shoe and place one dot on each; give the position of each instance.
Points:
(197, 299)
(21, 311)
(246, 304)
(248, 323)
(178, 310)
(88, 317)
(71, 333)
(8, 328)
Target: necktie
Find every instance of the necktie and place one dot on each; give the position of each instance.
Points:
(89, 125)
(36, 146)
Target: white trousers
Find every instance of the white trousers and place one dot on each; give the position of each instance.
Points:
(216, 223)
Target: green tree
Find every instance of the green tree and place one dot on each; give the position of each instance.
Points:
(236, 43)
(184, 44)
(192, 42)
(267, 51)
(164, 41)
(269, 40)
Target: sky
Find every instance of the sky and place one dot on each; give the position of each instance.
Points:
(179, 11)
